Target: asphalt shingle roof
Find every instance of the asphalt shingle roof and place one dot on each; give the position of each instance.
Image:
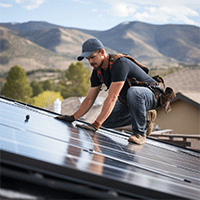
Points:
(184, 81)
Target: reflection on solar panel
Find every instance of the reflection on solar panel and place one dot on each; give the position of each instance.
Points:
(45, 157)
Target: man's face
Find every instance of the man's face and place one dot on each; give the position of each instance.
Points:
(96, 60)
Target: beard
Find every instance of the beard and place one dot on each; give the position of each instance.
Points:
(96, 66)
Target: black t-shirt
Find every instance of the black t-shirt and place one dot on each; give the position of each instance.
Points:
(122, 69)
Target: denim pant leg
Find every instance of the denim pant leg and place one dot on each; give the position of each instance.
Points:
(140, 99)
(120, 116)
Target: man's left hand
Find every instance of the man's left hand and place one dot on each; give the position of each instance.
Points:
(93, 127)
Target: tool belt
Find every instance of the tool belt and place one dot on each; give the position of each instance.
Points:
(164, 95)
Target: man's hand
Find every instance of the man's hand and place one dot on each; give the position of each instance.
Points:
(92, 127)
(66, 118)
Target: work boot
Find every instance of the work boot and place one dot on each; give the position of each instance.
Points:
(138, 139)
(151, 117)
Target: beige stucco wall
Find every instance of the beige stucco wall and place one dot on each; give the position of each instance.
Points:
(183, 119)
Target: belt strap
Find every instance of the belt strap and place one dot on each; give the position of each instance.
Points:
(132, 81)
(122, 101)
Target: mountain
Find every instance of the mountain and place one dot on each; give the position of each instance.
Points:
(16, 50)
(146, 41)
(64, 41)
(29, 26)
(44, 45)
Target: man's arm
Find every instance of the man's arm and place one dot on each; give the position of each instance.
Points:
(87, 102)
(110, 101)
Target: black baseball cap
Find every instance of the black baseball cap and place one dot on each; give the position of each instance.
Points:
(89, 47)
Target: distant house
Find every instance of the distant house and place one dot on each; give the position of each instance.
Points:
(184, 117)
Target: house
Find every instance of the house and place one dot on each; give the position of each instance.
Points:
(184, 117)
(45, 158)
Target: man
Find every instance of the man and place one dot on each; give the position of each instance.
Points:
(134, 101)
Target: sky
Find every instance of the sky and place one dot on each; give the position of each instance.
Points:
(100, 14)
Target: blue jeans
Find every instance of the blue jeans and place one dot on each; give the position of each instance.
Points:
(139, 100)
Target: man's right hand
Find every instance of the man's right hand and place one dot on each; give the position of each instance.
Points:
(66, 118)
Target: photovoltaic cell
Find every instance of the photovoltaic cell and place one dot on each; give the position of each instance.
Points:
(106, 155)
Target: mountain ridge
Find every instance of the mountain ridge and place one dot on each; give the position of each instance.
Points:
(148, 43)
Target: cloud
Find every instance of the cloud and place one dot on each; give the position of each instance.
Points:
(19, 1)
(33, 4)
(83, 1)
(176, 11)
(5, 5)
(95, 10)
(164, 14)
(122, 9)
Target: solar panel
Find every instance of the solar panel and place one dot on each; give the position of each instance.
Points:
(31, 137)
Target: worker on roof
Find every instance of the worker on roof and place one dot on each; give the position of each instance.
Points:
(124, 105)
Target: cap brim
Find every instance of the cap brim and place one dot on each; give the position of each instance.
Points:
(84, 55)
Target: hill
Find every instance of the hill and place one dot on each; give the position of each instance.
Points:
(146, 41)
(64, 41)
(36, 45)
(16, 50)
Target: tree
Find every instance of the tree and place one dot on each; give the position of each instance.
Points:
(37, 88)
(78, 81)
(17, 86)
(47, 85)
(46, 98)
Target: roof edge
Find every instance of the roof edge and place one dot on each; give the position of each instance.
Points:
(182, 97)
